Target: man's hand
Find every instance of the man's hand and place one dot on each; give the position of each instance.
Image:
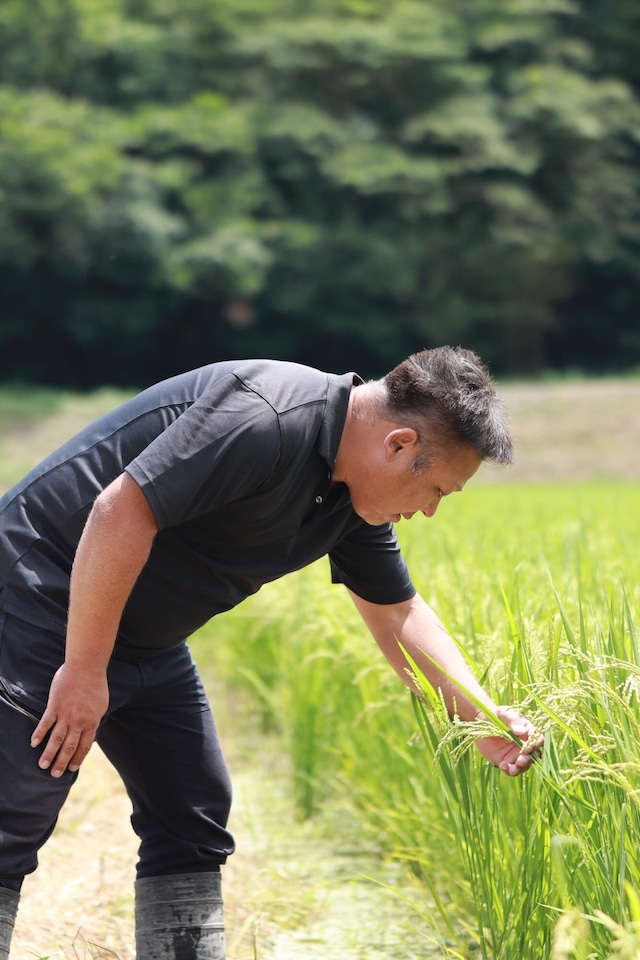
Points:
(512, 758)
(77, 703)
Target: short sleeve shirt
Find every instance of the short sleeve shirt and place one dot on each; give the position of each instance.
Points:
(235, 460)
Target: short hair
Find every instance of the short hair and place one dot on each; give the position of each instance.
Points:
(446, 394)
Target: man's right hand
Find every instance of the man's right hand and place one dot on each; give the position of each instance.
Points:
(77, 703)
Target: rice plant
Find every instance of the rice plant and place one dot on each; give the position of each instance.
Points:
(531, 582)
(560, 839)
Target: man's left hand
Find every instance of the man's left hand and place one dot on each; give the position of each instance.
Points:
(512, 758)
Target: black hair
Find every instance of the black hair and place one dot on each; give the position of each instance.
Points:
(447, 394)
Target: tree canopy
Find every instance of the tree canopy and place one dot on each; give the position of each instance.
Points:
(333, 181)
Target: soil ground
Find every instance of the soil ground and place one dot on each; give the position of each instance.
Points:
(287, 897)
(289, 893)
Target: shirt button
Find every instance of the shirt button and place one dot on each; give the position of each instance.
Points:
(318, 499)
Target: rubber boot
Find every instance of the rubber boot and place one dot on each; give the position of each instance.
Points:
(179, 917)
(8, 909)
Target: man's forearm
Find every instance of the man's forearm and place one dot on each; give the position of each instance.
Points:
(414, 626)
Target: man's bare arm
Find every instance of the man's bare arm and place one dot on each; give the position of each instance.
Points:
(112, 551)
(413, 625)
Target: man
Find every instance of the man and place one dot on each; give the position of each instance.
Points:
(170, 509)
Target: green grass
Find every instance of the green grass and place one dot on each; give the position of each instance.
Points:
(539, 586)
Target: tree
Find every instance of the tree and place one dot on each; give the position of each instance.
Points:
(340, 181)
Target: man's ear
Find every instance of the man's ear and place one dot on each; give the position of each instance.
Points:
(400, 441)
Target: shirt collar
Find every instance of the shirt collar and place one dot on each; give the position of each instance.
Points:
(338, 392)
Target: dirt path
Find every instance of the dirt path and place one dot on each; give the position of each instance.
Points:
(572, 430)
(290, 894)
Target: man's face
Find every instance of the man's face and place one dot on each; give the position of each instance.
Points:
(387, 489)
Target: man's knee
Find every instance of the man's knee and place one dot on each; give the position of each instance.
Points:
(30, 798)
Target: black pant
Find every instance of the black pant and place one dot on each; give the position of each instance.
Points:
(158, 733)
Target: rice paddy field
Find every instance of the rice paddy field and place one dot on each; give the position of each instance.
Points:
(535, 571)
(539, 586)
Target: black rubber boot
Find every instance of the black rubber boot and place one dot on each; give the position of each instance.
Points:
(8, 909)
(179, 918)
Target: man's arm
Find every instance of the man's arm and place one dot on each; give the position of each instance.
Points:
(413, 625)
(112, 551)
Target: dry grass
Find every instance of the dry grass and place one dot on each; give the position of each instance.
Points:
(573, 430)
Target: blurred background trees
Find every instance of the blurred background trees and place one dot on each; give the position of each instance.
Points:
(333, 181)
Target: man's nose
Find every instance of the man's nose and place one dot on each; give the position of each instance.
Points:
(431, 507)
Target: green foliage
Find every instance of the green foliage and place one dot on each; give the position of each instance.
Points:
(37, 44)
(340, 178)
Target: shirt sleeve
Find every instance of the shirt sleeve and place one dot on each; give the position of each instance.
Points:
(223, 446)
(369, 562)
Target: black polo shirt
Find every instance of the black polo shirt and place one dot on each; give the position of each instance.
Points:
(235, 460)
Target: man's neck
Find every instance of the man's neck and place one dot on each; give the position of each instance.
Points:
(360, 428)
